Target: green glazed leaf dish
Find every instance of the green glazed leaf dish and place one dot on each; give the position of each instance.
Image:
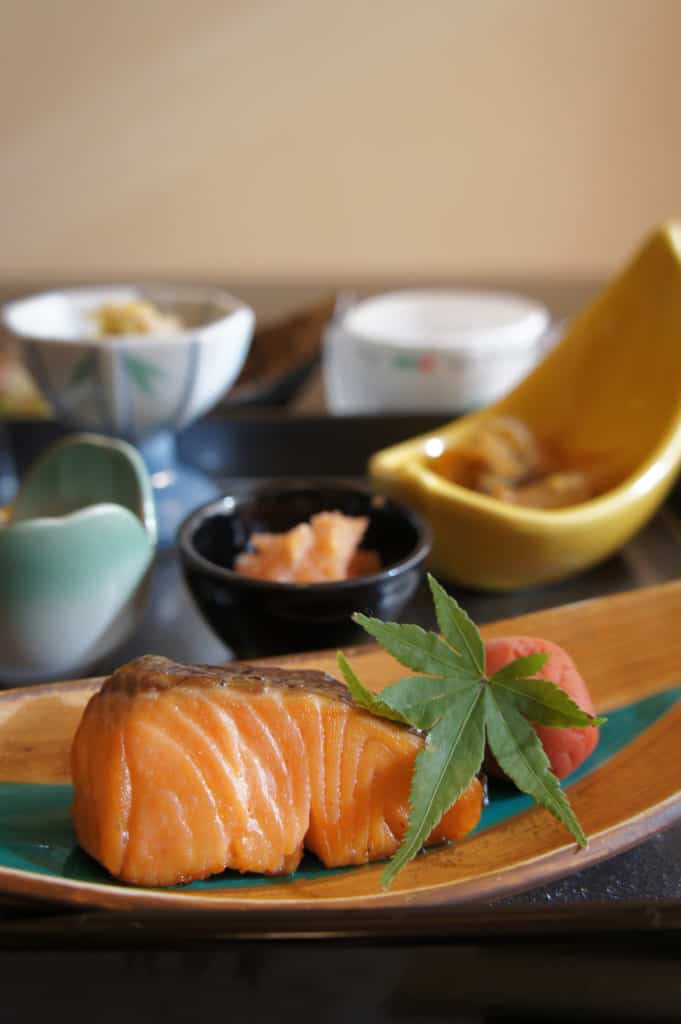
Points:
(75, 556)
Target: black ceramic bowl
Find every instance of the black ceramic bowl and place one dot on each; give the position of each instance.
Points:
(256, 617)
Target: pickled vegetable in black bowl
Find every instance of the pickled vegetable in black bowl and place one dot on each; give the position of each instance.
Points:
(257, 617)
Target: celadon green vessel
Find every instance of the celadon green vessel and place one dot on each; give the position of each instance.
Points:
(75, 558)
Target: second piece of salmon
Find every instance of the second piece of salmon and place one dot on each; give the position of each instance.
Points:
(181, 772)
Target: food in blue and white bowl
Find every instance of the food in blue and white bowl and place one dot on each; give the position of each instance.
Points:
(130, 360)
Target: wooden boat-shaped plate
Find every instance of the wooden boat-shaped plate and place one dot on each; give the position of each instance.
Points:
(628, 647)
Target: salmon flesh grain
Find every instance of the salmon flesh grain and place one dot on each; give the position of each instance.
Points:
(180, 772)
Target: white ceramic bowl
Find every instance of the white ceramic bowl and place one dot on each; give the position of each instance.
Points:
(132, 385)
(430, 350)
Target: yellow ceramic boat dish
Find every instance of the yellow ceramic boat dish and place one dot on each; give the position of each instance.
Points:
(609, 392)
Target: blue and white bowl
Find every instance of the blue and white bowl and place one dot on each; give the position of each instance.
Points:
(132, 386)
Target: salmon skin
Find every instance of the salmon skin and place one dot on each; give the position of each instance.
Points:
(180, 772)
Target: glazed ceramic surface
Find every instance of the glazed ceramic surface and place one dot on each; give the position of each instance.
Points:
(628, 789)
(132, 385)
(610, 391)
(429, 349)
(74, 559)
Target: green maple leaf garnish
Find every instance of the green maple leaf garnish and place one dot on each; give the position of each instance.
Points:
(461, 710)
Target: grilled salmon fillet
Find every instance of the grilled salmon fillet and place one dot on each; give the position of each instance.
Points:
(180, 772)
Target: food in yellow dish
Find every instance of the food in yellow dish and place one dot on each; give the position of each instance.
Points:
(180, 772)
(321, 551)
(504, 459)
(136, 316)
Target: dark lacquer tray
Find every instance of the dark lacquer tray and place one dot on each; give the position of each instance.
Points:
(634, 893)
(603, 943)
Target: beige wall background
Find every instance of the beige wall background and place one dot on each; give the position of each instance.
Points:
(305, 139)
